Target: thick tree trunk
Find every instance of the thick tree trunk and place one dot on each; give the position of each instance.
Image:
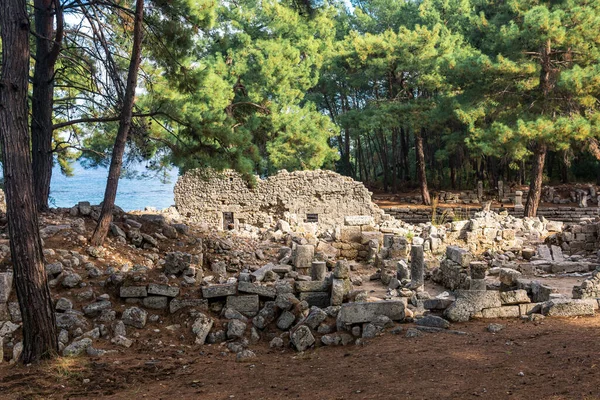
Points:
(116, 161)
(47, 48)
(39, 324)
(422, 177)
(535, 187)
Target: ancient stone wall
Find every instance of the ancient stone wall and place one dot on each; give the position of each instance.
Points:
(416, 215)
(207, 196)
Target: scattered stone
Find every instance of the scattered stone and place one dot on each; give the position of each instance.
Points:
(433, 321)
(302, 338)
(135, 317)
(201, 327)
(77, 347)
(495, 328)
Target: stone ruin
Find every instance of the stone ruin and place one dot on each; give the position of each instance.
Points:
(298, 286)
(313, 200)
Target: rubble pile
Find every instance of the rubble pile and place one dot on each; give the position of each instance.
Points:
(291, 285)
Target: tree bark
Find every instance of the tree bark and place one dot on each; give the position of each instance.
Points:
(421, 175)
(116, 161)
(39, 324)
(47, 48)
(535, 187)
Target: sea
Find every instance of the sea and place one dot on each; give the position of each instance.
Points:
(88, 184)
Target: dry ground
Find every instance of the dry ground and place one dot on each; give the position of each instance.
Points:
(558, 359)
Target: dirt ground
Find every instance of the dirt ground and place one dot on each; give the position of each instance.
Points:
(555, 359)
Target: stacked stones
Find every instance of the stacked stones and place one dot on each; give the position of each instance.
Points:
(204, 195)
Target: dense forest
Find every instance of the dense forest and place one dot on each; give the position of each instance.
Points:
(397, 94)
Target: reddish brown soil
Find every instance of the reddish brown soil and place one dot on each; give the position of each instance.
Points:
(559, 359)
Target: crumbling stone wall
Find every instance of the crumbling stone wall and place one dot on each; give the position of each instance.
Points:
(205, 195)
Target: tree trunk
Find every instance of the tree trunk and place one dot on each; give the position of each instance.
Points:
(47, 48)
(422, 177)
(116, 161)
(39, 324)
(535, 187)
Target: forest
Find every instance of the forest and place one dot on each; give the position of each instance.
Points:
(397, 94)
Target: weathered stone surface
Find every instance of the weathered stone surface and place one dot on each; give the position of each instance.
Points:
(77, 348)
(337, 339)
(541, 292)
(437, 304)
(509, 276)
(501, 312)
(433, 321)
(341, 270)
(318, 299)
(94, 309)
(259, 274)
(121, 341)
(6, 281)
(568, 307)
(353, 313)
(569, 267)
(133, 291)
(358, 220)
(315, 317)
(304, 257)
(246, 304)
(212, 291)
(257, 288)
(177, 304)
(477, 284)
(544, 252)
(63, 305)
(318, 270)
(135, 317)
(204, 195)
(469, 302)
(156, 302)
(201, 327)
(8, 328)
(460, 256)
(235, 329)
(514, 297)
(285, 320)
(266, 315)
(163, 290)
(338, 289)
(312, 286)
(417, 266)
(302, 338)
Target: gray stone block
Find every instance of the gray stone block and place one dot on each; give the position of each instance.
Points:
(247, 304)
(133, 291)
(163, 290)
(354, 313)
(257, 288)
(318, 299)
(156, 302)
(226, 289)
(470, 302)
(312, 286)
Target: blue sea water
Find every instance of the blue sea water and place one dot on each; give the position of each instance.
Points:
(89, 185)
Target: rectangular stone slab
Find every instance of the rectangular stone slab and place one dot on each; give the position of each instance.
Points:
(6, 280)
(312, 286)
(226, 289)
(355, 313)
(247, 305)
(316, 299)
(163, 290)
(256, 288)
